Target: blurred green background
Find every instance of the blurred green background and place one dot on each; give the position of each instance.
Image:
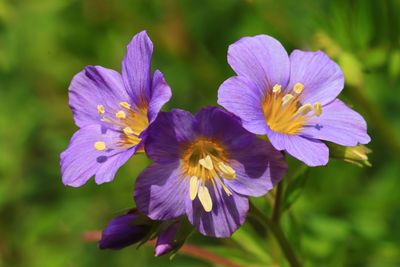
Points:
(345, 215)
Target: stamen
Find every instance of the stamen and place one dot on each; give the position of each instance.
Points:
(281, 109)
(277, 88)
(298, 88)
(111, 121)
(194, 187)
(100, 145)
(125, 105)
(286, 99)
(128, 131)
(303, 110)
(317, 109)
(207, 163)
(100, 109)
(227, 170)
(205, 198)
(226, 189)
(120, 114)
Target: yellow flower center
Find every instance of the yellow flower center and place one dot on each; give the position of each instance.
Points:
(284, 113)
(130, 121)
(206, 162)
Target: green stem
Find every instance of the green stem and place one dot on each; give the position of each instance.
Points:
(283, 243)
(277, 232)
(276, 212)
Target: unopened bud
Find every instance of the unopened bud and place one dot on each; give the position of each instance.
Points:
(357, 155)
(125, 230)
(167, 240)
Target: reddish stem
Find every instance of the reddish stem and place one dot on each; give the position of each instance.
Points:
(187, 249)
(204, 255)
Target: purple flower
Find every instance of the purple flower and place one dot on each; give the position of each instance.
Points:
(292, 99)
(113, 112)
(123, 231)
(166, 240)
(205, 166)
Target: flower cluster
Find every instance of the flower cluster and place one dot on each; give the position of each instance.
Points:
(205, 166)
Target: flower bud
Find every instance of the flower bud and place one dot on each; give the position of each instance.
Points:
(167, 240)
(357, 155)
(125, 230)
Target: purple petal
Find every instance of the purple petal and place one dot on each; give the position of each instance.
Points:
(258, 165)
(214, 122)
(122, 231)
(167, 133)
(136, 68)
(241, 97)
(261, 59)
(166, 240)
(94, 86)
(322, 78)
(311, 151)
(218, 124)
(161, 190)
(160, 94)
(339, 124)
(80, 161)
(227, 214)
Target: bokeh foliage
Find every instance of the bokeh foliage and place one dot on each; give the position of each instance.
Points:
(344, 215)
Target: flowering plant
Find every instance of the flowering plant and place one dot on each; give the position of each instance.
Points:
(207, 168)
